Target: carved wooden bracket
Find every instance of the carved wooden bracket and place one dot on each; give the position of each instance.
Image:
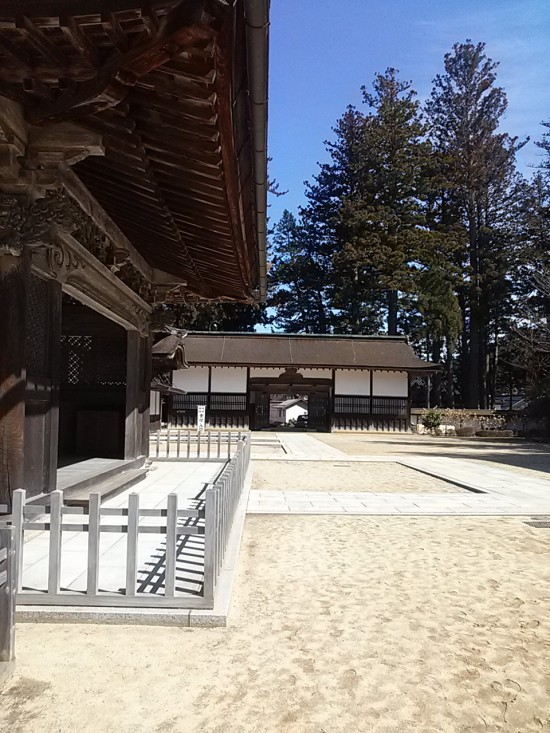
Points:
(82, 275)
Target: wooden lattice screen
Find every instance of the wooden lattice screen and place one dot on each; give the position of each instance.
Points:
(37, 341)
(93, 361)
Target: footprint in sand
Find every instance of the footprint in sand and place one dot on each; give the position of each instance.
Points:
(349, 680)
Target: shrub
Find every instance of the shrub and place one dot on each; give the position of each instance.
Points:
(495, 433)
(431, 419)
(466, 432)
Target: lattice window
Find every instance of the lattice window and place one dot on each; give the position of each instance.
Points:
(393, 406)
(189, 401)
(37, 336)
(228, 402)
(93, 361)
(355, 405)
(352, 405)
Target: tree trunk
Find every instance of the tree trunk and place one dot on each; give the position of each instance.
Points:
(449, 368)
(436, 382)
(392, 312)
(473, 372)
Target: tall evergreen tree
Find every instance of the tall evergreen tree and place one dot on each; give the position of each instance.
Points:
(297, 279)
(464, 112)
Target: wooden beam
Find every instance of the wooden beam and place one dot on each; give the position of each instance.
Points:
(114, 30)
(39, 41)
(97, 213)
(54, 8)
(72, 30)
(186, 26)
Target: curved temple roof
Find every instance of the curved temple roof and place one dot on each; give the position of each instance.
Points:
(171, 86)
(285, 350)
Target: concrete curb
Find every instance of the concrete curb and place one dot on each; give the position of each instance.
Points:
(206, 618)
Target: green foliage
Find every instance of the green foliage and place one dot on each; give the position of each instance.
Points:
(210, 316)
(420, 224)
(431, 418)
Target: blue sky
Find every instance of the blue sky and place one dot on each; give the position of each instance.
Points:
(322, 51)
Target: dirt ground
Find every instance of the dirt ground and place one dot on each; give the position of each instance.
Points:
(516, 455)
(339, 476)
(339, 624)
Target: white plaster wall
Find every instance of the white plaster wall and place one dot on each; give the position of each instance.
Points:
(229, 379)
(294, 412)
(316, 373)
(389, 384)
(194, 379)
(352, 382)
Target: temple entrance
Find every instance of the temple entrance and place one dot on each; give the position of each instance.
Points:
(92, 404)
(290, 401)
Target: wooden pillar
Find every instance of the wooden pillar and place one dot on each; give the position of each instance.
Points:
(428, 390)
(14, 280)
(146, 357)
(132, 438)
(55, 313)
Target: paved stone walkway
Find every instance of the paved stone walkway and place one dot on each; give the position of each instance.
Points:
(186, 479)
(487, 490)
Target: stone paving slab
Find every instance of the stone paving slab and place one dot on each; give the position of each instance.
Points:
(502, 492)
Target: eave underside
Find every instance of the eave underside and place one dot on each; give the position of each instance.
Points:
(176, 176)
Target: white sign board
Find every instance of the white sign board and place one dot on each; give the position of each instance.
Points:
(201, 418)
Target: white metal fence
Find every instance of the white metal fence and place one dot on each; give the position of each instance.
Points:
(210, 522)
(176, 444)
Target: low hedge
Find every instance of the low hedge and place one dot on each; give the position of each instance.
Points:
(467, 432)
(495, 433)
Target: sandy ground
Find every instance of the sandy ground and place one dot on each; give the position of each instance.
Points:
(527, 458)
(339, 624)
(339, 476)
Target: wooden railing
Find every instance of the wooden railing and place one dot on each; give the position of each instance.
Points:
(8, 585)
(210, 520)
(177, 444)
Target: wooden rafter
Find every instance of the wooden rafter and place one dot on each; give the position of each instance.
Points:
(188, 25)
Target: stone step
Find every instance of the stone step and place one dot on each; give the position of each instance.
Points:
(109, 487)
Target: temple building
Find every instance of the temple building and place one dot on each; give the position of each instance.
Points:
(132, 173)
(351, 382)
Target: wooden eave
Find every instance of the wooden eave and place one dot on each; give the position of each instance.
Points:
(165, 84)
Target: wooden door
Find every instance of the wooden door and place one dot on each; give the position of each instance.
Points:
(317, 414)
(261, 411)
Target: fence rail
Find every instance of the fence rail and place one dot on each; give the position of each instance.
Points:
(221, 501)
(8, 584)
(210, 520)
(177, 444)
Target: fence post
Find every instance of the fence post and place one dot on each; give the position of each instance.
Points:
(188, 444)
(54, 570)
(93, 545)
(219, 443)
(208, 445)
(179, 442)
(18, 505)
(167, 442)
(171, 537)
(132, 544)
(229, 443)
(158, 443)
(210, 543)
(8, 585)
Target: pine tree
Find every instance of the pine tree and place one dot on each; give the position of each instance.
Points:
(464, 112)
(297, 278)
